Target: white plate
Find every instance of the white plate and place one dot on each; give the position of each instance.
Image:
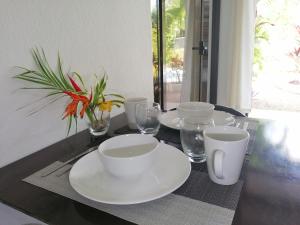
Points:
(170, 119)
(170, 171)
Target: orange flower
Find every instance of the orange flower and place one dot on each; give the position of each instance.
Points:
(71, 109)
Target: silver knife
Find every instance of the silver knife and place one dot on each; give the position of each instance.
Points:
(69, 161)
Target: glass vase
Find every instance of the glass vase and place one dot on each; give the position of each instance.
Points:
(99, 122)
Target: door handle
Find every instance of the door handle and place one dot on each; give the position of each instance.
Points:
(202, 49)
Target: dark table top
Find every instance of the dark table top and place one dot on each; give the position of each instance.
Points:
(270, 195)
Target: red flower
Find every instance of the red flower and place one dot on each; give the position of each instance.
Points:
(74, 84)
(71, 109)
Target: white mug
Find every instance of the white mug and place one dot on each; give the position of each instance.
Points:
(225, 148)
(129, 105)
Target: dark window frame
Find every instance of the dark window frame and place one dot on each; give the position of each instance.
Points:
(214, 62)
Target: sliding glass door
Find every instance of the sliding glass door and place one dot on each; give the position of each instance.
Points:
(180, 32)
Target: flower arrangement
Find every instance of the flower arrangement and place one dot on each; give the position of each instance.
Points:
(93, 102)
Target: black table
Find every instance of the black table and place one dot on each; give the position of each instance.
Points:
(270, 195)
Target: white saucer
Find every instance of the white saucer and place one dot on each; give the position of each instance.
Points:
(170, 171)
(170, 119)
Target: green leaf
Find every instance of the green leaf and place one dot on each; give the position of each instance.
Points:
(69, 124)
(46, 72)
(39, 63)
(33, 80)
(66, 84)
(51, 72)
(81, 81)
(102, 81)
(117, 101)
(39, 88)
(89, 114)
(54, 93)
(116, 95)
(75, 123)
(44, 106)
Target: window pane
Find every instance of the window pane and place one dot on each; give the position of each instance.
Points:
(173, 50)
(155, 61)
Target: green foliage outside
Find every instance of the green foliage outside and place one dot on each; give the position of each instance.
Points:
(173, 27)
(284, 15)
(294, 54)
(261, 35)
(154, 45)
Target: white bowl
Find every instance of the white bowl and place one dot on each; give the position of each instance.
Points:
(195, 110)
(128, 156)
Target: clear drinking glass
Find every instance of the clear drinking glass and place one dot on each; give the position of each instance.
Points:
(147, 117)
(191, 135)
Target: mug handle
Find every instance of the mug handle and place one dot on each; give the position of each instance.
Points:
(218, 163)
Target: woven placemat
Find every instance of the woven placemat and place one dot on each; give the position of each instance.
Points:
(175, 209)
(198, 201)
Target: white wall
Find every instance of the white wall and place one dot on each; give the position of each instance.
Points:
(90, 35)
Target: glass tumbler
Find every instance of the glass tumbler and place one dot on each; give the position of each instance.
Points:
(191, 136)
(147, 117)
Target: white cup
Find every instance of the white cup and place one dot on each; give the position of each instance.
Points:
(225, 148)
(128, 156)
(130, 104)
